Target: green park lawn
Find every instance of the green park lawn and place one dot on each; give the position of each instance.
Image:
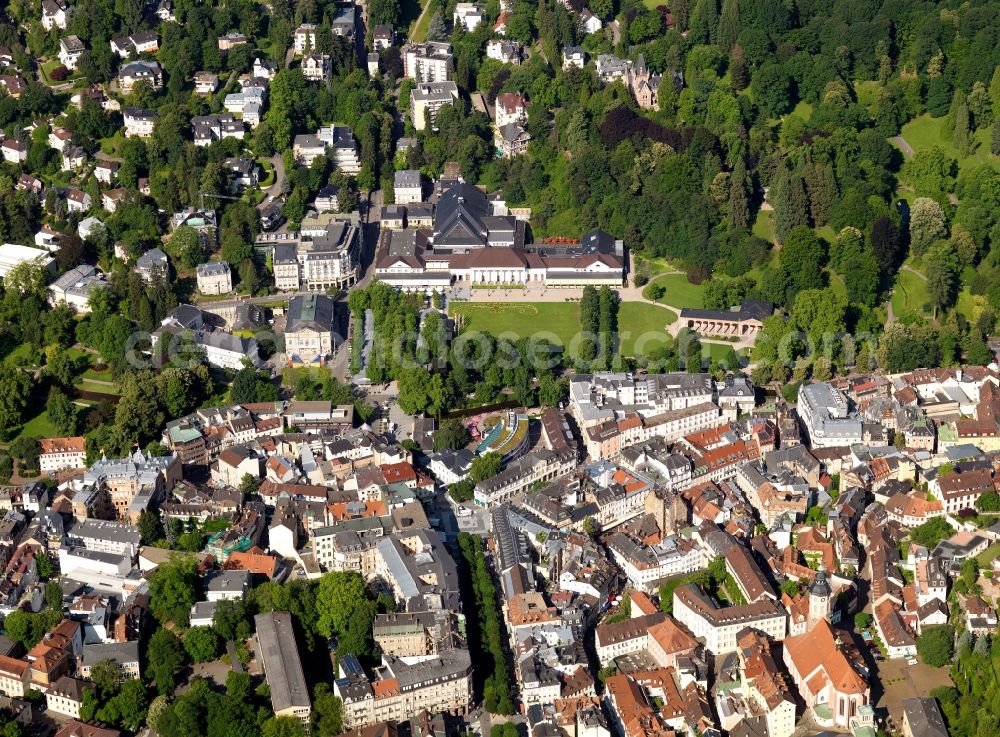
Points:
(641, 321)
(803, 110)
(680, 292)
(561, 319)
(47, 68)
(113, 146)
(95, 375)
(523, 319)
(87, 385)
(718, 351)
(987, 557)
(39, 426)
(836, 282)
(967, 303)
(20, 356)
(866, 91)
(654, 265)
(909, 294)
(923, 132)
(763, 226)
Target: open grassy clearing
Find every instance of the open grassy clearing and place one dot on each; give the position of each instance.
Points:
(680, 292)
(39, 426)
(763, 226)
(87, 385)
(645, 326)
(924, 132)
(523, 319)
(642, 325)
(909, 294)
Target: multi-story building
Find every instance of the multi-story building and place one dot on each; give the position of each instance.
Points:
(645, 566)
(427, 98)
(419, 570)
(221, 349)
(309, 329)
(235, 464)
(596, 398)
(336, 141)
(278, 652)
(721, 626)
(71, 48)
(209, 128)
(427, 62)
(102, 536)
(55, 14)
(826, 415)
(134, 72)
(408, 186)
(66, 696)
(53, 655)
(138, 122)
(607, 439)
(324, 254)
(215, 277)
(440, 683)
(133, 482)
(123, 655)
(304, 38)
(59, 454)
(922, 718)
(468, 16)
(316, 67)
(415, 634)
(538, 466)
(14, 676)
(764, 685)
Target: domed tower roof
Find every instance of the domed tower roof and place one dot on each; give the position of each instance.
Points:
(820, 586)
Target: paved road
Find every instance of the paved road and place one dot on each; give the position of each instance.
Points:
(616, 32)
(905, 147)
(278, 163)
(416, 23)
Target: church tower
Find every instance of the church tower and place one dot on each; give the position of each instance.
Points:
(820, 597)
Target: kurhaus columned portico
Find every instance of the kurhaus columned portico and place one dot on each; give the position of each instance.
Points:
(743, 321)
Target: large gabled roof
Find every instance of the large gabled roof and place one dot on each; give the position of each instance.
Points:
(459, 217)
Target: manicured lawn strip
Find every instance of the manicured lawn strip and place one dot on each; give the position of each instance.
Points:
(93, 386)
(967, 303)
(763, 226)
(909, 294)
(837, 282)
(94, 374)
(523, 319)
(657, 265)
(642, 322)
(679, 291)
(39, 426)
(718, 351)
